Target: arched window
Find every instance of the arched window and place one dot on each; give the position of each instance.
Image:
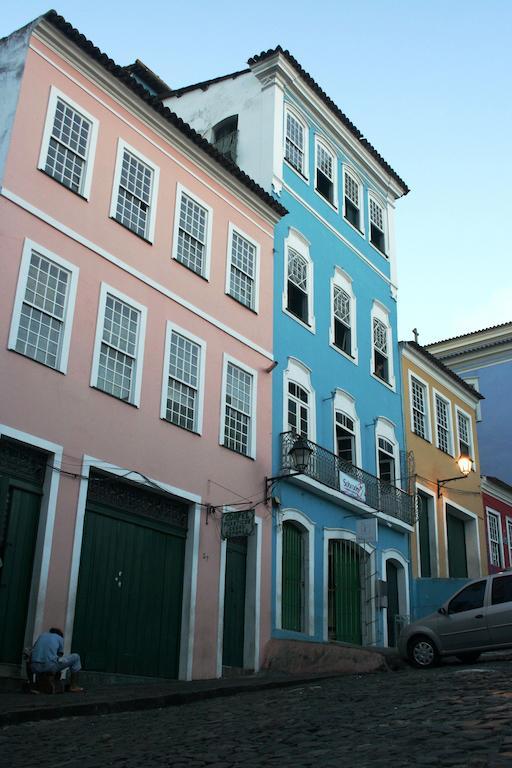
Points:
(296, 142)
(295, 572)
(353, 199)
(298, 271)
(225, 137)
(343, 333)
(347, 438)
(378, 224)
(326, 177)
(299, 400)
(382, 344)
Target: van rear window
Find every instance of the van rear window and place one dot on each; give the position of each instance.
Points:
(501, 590)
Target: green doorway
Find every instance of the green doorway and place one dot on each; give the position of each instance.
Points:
(393, 601)
(345, 591)
(234, 602)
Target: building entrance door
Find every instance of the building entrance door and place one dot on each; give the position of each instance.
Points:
(234, 603)
(345, 593)
(393, 601)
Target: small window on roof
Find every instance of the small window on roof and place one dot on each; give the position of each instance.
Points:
(225, 137)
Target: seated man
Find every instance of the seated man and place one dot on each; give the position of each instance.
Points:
(48, 656)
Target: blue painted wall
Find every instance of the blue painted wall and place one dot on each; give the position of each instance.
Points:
(428, 595)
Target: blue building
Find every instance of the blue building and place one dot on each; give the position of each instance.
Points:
(484, 359)
(341, 554)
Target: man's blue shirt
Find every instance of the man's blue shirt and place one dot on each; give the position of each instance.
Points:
(47, 649)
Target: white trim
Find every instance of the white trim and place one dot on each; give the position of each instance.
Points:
(368, 632)
(44, 540)
(426, 391)
(343, 280)
(295, 113)
(256, 280)
(403, 587)
(347, 168)
(67, 321)
(228, 359)
(139, 354)
(474, 381)
(170, 327)
(86, 180)
(472, 454)
(300, 244)
(344, 402)
(437, 394)
(508, 524)
(496, 514)
(134, 272)
(324, 143)
(300, 374)
(122, 146)
(381, 312)
(196, 156)
(382, 205)
(308, 528)
(190, 565)
(433, 531)
(180, 191)
(472, 537)
(434, 370)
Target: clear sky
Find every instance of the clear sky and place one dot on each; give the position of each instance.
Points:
(428, 82)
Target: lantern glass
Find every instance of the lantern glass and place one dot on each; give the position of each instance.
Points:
(300, 453)
(465, 464)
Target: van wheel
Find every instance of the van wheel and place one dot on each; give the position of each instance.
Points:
(422, 652)
(468, 658)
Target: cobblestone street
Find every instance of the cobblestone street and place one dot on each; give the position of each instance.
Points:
(452, 716)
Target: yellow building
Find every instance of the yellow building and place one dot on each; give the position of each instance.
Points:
(440, 424)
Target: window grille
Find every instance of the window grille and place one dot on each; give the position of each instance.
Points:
(342, 326)
(324, 161)
(352, 189)
(294, 147)
(443, 424)
(493, 527)
(68, 146)
(183, 386)
(377, 226)
(376, 216)
(464, 433)
(118, 351)
(419, 414)
(297, 285)
(342, 305)
(134, 194)
(41, 325)
(192, 233)
(380, 336)
(243, 269)
(238, 413)
(298, 409)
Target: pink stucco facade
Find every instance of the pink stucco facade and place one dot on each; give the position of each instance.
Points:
(83, 428)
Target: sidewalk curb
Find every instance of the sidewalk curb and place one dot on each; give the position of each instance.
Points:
(88, 709)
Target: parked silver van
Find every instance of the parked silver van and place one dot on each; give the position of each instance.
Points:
(477, 618)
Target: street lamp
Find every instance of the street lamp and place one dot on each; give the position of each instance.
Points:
(465, 465)
(300, 454)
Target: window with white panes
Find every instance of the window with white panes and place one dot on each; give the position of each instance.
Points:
(386, 459)
(295, 143)
(134, 194)
(298, 409)
(43, 311)
(242, 270)
(192, 234)
(118, 349)
(380, 350)
(377, 226)
(325, 173)
(68, 146)
(238, 410)
(464, 434)
(495, 539)
(183, 382)
(342, 319)
(298, 285)
(345, 437)
(419, 408)
(443, 424)
(352, 200)
(509, 540)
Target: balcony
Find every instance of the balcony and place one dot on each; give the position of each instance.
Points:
(342, 476)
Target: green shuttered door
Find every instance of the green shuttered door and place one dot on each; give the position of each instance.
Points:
(457, 561)
(129, 597)
(234, 603)
(393, 601)
(293, 579)
(344, 592)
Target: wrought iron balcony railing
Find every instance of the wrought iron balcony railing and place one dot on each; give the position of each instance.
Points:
(330, 470)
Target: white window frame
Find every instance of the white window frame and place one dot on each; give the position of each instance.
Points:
(298, 242)
(326, 146)
(435, 395)
(28, 247)
(386, 429)
(343, 402)
(300, 374)
(150, 226)
(378, 201)
(347, 169)
(426, 389)
(139, 357)
(298, 117)
(508, 528)
(474, 382)
(170, 329)
(471, 436)
(55, 94)
(488, 514)
(342, 280)
(256, 281)
(472, 536)
(181, 190)
(254, 399)
(381, 312)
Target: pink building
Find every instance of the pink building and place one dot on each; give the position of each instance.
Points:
(136, 348)
(497, 498)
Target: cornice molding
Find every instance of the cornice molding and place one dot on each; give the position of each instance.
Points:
(496, 491)
(437, 375)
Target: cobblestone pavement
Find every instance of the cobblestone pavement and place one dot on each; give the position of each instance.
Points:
(451, 716)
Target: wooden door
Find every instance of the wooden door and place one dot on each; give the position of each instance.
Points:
(344, 592)
(234, 603)
(292, 599)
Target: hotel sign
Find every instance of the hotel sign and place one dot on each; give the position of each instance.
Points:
(237, 524)
(352, 487)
